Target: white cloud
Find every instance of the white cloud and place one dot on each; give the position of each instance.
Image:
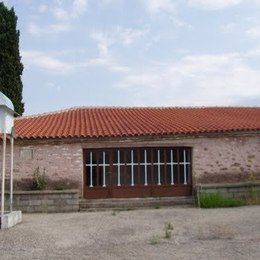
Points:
(42, 8)
(60, 14)
(156, 6)
(254, 32)
(53, 86)
(213, 4)
(37, 30)
(228, 28)
(128, 35)
(194, 80)
(79, 7)
(45, 62)
(168, 7)
(50, 63)
(105, 41)
(105, 59)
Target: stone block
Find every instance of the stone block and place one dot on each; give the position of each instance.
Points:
(35, 202)
(11, 219)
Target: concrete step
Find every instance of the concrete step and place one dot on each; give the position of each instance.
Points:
(134, 203)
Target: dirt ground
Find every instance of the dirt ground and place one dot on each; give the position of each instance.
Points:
(232, 233)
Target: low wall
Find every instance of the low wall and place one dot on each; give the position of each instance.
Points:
(45, 201)
(242, 190)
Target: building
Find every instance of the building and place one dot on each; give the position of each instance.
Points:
(109, 152)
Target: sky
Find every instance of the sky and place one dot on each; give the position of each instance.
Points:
(139, 53)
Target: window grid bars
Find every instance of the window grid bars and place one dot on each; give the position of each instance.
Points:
(158, 167)
(171, 164)
(104, 169)
(132, 164)
(118, 168)
(132, 168)
(145, 168)
(91, 171)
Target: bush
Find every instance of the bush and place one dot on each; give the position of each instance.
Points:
(168, 228)
(39, 180)
(214, 200)
(59, 186)
(154, 240)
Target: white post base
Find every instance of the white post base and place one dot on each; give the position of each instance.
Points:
(11, 219)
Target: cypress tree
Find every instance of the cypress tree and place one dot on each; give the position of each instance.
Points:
(11, 67)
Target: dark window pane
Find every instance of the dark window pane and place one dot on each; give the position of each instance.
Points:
(156, 174)
(188, 174)
(128, 156)
(180, 155)
(168, 175)
(164, 160)
(175, 174)
(127, 177)
(168, 155)
(182, 174)
(148, 155)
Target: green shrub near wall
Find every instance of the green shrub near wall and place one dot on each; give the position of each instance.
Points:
(214, 200)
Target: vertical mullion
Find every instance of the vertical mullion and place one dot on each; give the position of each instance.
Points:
(97, 168)
(165, 166)
(184, 167)
(152, 170)
(189, 165)
(172, 177)
(145, 167)
(118, 168)
(178, 165)
(91, 169)
(139, 166)
(104, 169)
(125, 167)
(111, 167)
(159, 167)
(132, 167)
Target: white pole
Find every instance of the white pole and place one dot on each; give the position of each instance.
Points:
(172, 179)
(159, 167)
(118, 168)
(104, 169)
(3, 177)
(184, 165)
(132, 168)
(145, 168)
(11, 172)
(91, 171)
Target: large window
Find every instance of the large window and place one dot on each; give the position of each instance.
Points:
(138, 166)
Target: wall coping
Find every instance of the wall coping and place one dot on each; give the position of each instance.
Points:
(130, 139)
(43, 192)
(229, 185)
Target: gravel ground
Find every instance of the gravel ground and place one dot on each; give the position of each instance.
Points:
(232, 233)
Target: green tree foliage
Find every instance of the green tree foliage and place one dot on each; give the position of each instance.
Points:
(11, 67)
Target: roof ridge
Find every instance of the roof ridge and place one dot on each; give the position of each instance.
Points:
(130, 107)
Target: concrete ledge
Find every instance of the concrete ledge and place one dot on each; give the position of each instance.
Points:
(11, 219)
(134, 203)
(46, 201)
(232, 190)
(41, 192)
(229, 185)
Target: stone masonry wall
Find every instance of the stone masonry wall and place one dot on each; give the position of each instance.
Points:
(44, 201)
(62, 164)
(228, 160)
(215, 158)
(242, 190)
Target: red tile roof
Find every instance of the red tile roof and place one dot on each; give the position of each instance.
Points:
(112, 121)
